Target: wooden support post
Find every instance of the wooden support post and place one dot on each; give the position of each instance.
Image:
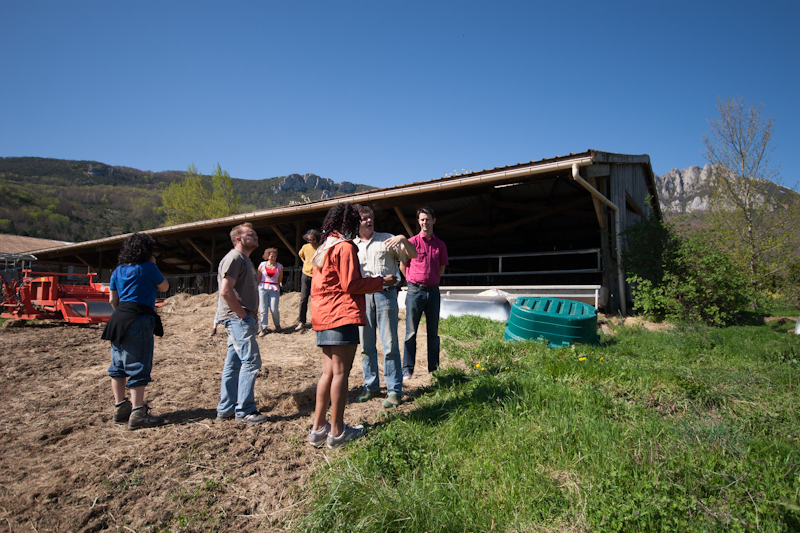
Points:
(213, 251)
(403, 220)
(298, 243)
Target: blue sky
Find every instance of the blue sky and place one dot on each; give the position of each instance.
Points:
(387, 92)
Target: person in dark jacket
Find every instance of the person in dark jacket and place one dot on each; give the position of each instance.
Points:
(134, 285)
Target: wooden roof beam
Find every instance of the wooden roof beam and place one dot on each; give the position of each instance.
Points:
(285, 240)
(199, 251)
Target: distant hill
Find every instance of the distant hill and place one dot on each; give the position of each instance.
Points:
(83, 200)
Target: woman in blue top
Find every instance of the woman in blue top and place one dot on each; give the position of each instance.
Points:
(130, 329)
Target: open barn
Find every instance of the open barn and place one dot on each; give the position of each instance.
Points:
(544, 227)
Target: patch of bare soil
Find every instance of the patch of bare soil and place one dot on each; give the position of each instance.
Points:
(781, 320)
(607, 323)
(64, 466)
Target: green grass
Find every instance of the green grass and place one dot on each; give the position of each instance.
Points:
(695, 429)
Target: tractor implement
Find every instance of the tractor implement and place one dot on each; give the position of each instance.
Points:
(40, 295)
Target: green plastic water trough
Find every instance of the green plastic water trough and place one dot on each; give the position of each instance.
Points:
(559, 322)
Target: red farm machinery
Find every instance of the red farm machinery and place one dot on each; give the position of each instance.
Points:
(41, 295)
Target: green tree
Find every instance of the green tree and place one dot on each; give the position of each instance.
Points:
(195, 199)
(756, 220)
(224, 200)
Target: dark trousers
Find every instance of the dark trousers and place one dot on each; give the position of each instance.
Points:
(305, 292)
(419, 301)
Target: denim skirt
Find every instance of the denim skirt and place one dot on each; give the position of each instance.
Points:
(337, 336)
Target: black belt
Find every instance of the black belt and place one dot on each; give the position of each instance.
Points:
(423, 286)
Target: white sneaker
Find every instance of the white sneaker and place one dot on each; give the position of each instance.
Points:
(299, 326)
(348, 434)
(318, 438)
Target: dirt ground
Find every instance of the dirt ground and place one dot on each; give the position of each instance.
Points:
(66, 467)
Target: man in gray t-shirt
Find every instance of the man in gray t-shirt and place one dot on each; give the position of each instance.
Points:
(236, 310)
(239, 267)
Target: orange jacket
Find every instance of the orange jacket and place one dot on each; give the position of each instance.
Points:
(337, 291)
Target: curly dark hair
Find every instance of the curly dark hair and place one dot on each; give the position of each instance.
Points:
(343, 219)
(136, 249)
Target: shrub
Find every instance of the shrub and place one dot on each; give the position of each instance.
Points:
(682, 277)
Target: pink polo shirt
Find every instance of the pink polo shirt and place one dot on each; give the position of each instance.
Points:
(431, 255)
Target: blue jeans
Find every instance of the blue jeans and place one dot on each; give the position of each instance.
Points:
(382, 319)
(269, 300)
(420, 301)
(133, 357)
(237, 392)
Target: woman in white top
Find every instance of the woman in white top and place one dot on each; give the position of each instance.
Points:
(269, 289)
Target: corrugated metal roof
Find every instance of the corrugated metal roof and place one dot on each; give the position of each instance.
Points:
(17, 244)
(320, 205)
(263, 218)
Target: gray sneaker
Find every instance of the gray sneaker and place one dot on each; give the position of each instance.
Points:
(222, 418)
(122, 412)
(253, 418)
(318, 438)
(348, 434)
(141, 418)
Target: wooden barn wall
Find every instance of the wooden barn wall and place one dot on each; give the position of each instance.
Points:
(629, 179)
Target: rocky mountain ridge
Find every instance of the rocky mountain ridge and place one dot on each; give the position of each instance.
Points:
(688, 191)
(684, 191)
(298, 183)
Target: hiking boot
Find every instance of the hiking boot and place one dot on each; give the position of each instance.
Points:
(318, 438)
(141, 418)
(122, 412)
(223, 417)
(367, 395)
(348, 434)
(253, 418)
(392, 400)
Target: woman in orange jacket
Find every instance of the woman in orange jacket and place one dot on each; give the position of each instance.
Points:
(337, 309)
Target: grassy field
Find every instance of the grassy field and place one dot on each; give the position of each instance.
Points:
(691, 429)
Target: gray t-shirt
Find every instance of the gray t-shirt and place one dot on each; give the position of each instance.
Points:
(238, 266)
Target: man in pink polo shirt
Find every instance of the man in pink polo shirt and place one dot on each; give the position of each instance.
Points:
(423, 274)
